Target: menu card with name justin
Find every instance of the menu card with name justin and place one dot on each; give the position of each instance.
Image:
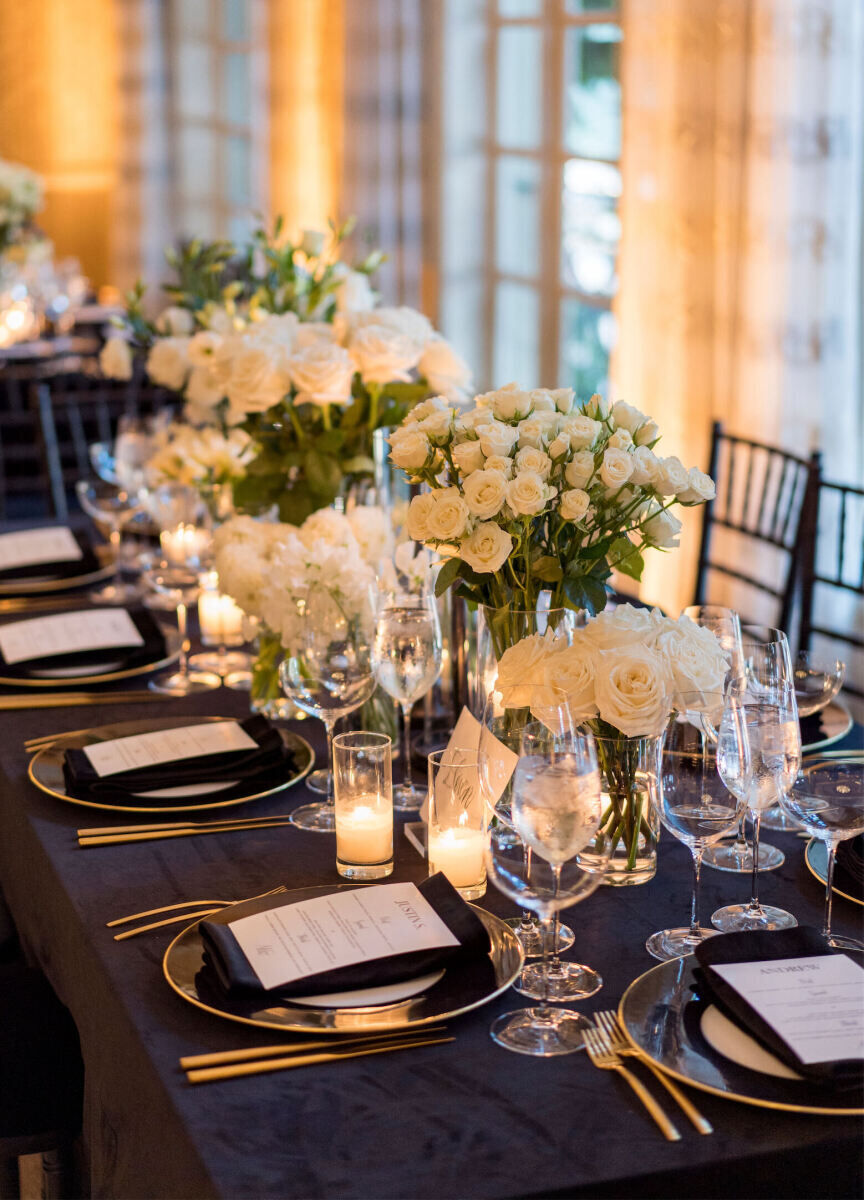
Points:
(144, 750)
(32, 547)
(68, 633)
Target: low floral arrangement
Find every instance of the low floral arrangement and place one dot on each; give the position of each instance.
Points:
(529, 491)
(21, 198)
(205, 458)
(287, 344)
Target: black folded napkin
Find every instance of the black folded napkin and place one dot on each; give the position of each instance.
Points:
(235, 975)
(270, 757)
(766, 946)
(150, 651)
(849, 867)
(87, 564)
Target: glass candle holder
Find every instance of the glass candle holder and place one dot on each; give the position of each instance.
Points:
(222, 623)
(457, 821)
(184, 545)
(363, 787)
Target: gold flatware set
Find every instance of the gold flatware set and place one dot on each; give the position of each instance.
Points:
(213, 906)
(75, 700)
(113, 836)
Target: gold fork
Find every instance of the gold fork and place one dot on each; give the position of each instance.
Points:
(186, 916)
(608, 1023)
(604, 1057)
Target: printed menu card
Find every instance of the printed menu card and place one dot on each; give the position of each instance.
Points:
(68, 633)
(30, 547)
(144, 750)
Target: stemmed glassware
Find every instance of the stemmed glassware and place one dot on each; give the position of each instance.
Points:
(696, 806)
(328, 673)
(407, 654)
(827, 798)
(554, 809)
(180, 585)
(109, 506)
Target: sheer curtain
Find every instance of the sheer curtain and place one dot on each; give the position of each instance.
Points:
(741, 256)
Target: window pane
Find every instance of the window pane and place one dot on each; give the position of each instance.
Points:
(519, 95)
(240, 228)
(197, 220)
(236, 102)
(592, 100)
(517, 248)
(193, 80)
(587, 339)
(193, 17)
(590, 226)
(584, 6)
(235, 20)
(197, 160)
(520, 8)
(517, 317)
(238, 182)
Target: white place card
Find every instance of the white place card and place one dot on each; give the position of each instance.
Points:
(295, 940)
(29, 547)
(167, 745)
(67, 633)
(816, 1004)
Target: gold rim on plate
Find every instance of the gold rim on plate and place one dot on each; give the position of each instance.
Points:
(184, 956)
(46, 767)
(818, 867)
(651, 1013)
(65, 583)
(845, 720)
(172, 646)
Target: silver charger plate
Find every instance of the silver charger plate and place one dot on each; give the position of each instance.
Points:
(836, 723)
(46, 766)
(110, 671)
(662, 1021)
(463, 987)
(816, 858)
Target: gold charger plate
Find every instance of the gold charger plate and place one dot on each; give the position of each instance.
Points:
(66, 583)
(661, 1020)
(46, 766)
(463, 987)
(58, 682)
(816, 858)
(836, 722)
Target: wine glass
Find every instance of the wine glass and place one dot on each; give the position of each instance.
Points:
(109, 506)
(328, 673)
(817, 680)
(407, 654)
(827, 798)
(134, 446)
(555, 808)
(180, 585)
(774, 735)
(695, 804)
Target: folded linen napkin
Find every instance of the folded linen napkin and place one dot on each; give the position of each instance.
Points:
(766, 946)
(235, 975)
(251, 766)
(849, 867)
(151, 650)
(87, 564)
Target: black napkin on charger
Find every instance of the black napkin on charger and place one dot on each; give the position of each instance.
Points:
(765, 946)
(849, 867)
(151, 650)
(87, 564)
(235, 975)
(269, 756)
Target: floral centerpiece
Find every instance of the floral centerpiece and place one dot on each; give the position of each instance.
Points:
(287, 343)
(203, 457)
(623, 673)
(21, 198)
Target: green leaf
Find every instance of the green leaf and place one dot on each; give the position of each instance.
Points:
(447, 575)
(323, 475)
(585, 591)
(329, 442)
(358, 464)
(547, 568)
(627, 558)
(295, 506)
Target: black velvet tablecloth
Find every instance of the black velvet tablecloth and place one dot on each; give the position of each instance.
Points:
(463, 1120)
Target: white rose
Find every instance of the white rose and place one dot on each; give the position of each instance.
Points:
(695, 659)
(538, 429)
(671, 476)
(574, 504)
(443, 369)
(405, 321)
(321, 374)
(468, 457)
(499, 462)
(508, 403)
(258, 380)
(275, 329)
(417, 521)
(563, 398)
(313, 333)
(581, 431)
(616, 468)
(487, 548)
(438, 426)
(381, 355)
(620, 440)
(522, 669)
(625, 625)
(645, 463)
(596, 407)
(485, 492)
(312, 242)
(647, 434)
(632, 690)
(580, 469)
(427, 408)
(661, 529)
(115, 359)
(542, 400)
(203, 346)
(573, 670)
(527, 493)
(559, 446)
(625, 416)
(448, 517)
(168, 362)
(218, 319)
(355, 294)
(409, 448)
(701, 488)
(175, 321)
(497, 438)
(202, 395)
(530, 459)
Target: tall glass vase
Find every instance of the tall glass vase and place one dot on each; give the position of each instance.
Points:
(265, 691)
(630, 782)
(500, 628)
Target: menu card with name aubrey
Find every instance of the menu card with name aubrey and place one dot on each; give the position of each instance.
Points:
(68, 633)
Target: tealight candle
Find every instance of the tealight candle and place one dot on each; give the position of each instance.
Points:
(458, 853)
(364, 831)
(220, 619)
(363, 788)
(184, 545)
(457, 821)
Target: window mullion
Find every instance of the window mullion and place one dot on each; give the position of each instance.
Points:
(550, 198)
(489, 296)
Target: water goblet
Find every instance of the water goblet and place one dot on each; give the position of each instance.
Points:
(109, 507)
(818, 678)
(827, 798)
(328, 673)
(181, 586)
(407, 653)
(695, 804)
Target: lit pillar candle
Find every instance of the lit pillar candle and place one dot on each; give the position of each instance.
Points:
(458, 853)
(183, 545)
(364, 831)
(220, 619)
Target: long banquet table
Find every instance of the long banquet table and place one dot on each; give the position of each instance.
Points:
(465, 1119)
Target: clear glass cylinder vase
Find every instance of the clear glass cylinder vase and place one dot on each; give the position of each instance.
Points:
(630, 783)
(265, 691)
(500, 628)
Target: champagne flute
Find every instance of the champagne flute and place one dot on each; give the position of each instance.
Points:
(827, 798)
(695, 804)
(328, 673)
(180, 585)
(407, 654)
(555, 809)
